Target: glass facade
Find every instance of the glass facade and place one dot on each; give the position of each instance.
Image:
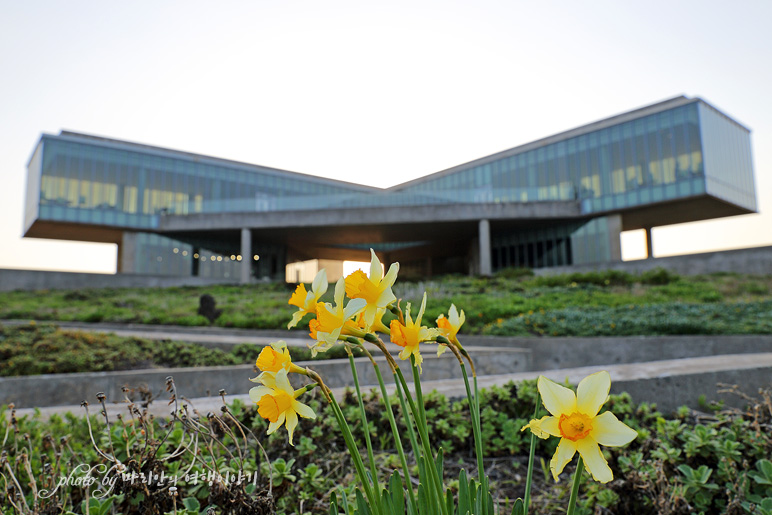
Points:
(649, 159)
(728, 170)
(675, 150)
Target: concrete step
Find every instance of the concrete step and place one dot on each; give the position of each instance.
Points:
(668, 383)
(69, 389)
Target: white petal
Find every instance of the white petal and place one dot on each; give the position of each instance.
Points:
(296, 316)
(319, 286)
(353, 307)
(391, 276)
(340, 291)
(376, 270)
(421, 311)
(592, 393)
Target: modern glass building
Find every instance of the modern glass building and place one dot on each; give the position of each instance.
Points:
(560, 200)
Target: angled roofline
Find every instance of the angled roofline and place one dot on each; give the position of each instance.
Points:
(561, 136)
(101, 141)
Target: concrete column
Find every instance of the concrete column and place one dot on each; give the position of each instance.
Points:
(649, 245)
(127, 252)
(614, 224)
(484, 237)
(246, 256)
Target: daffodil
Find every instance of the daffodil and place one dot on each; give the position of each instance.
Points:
(375, 290)
(279, 405)
(272, 359)
(332, 321)
(448, 327)
(574, 418)
(410, 335)
(306, 300)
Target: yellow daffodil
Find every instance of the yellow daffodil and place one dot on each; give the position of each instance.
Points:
(410, 335)
(306, 300)
(375, 290)
(574, 418)
(279, 405)
(272, 359)
(448, 327)
(332, 321)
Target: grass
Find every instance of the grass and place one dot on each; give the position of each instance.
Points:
(514, 302)
(45, 349)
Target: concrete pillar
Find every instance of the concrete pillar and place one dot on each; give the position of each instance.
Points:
(649, 245)
(127, 253)
(484, 237)
(246, 256)
(614, 224)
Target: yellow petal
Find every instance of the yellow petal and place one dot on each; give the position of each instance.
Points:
(303, 410)
(292, 422)
(608, 430)
(564, 453)
(557, 399)
(593, 392)
(536, 427)
(594, 461)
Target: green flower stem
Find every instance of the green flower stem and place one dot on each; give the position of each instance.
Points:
(365, 425)
(529, 476)
(397, 437)
(436, 483)
(476, 429)
(354, 451)
(575, 488)
(408, 417)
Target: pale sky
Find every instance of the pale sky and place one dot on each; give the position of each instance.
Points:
(370, 92)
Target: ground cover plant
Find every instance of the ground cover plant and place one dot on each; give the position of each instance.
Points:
(30, 349)
(513, 302)
(716, 461)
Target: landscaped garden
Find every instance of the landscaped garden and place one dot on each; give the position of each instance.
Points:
(715, 460)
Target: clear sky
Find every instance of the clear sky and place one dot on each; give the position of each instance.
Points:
(369, 92)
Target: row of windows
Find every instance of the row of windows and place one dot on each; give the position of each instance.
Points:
(86, 176)
(557, 245)
(659, 149)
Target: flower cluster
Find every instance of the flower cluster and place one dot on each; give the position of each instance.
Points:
(275, 398)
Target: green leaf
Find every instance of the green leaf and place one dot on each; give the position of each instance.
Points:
(519, 507)
(362, 508)
(191, 504)
(397, 494)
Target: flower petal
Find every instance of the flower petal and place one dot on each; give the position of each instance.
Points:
(537, 427)
(256, 393)
(303, 410)
(608, 430)
(282, 383)
(421, 311)
(296, 316)
(550, 425)
(319, 286)
(557, 399)
(594, 461)
(391, 276)
(376, 270)
(292, 423)
(340, 291)
(593, 392)
(564, 453)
